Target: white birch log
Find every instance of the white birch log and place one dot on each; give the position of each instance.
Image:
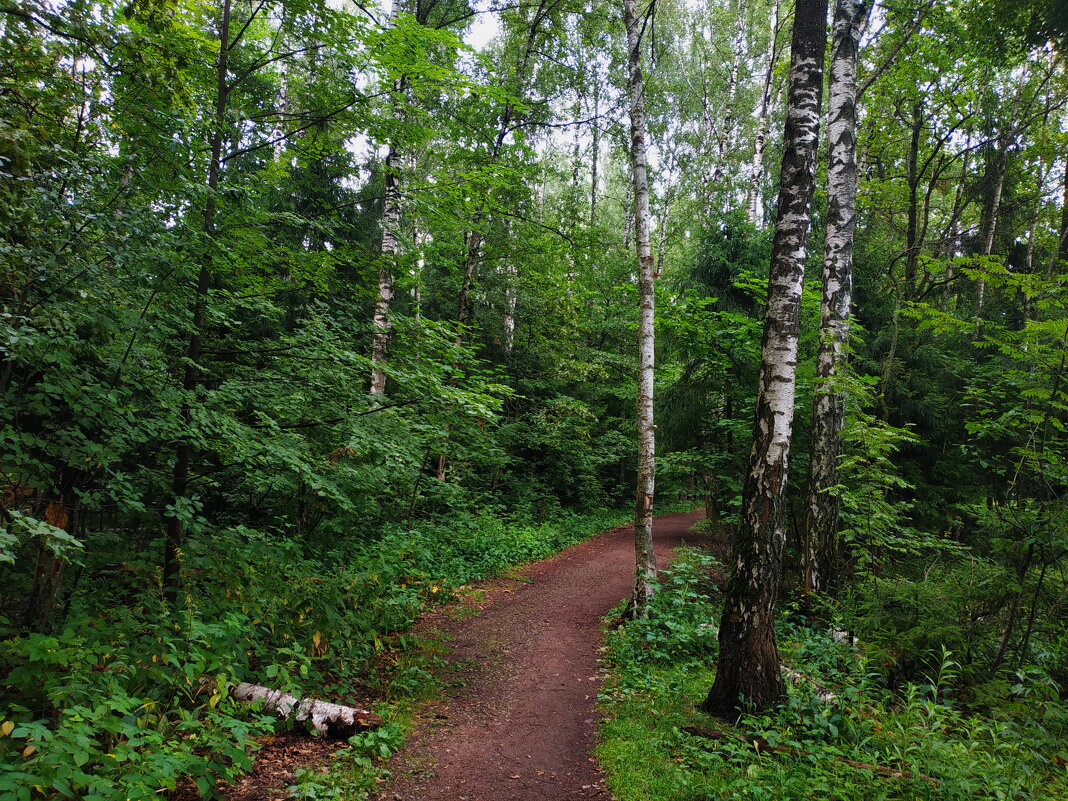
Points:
(319, 717)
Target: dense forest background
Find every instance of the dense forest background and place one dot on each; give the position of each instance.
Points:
(313, 312)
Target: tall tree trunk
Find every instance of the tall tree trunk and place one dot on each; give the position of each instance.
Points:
(510, 303)
(1062, 245)
(992, 214)
(665, 215)
(595, 153)
(390, 247)
(475, 237)
(645, 559)
(912, 243)
(724, 134)
(195, 346)
(763, 126)
(820, 551)
(748, 673)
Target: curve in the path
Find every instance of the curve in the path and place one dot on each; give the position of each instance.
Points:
(523, 726)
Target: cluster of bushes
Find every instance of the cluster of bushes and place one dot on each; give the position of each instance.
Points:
(933, 734)
(129, 698)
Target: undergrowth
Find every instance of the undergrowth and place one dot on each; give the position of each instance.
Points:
(127, 700)
(660, 669)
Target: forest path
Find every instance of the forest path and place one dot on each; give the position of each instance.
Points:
(522, 725)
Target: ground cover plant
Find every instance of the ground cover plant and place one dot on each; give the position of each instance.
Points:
(921, 739)
(115, 705)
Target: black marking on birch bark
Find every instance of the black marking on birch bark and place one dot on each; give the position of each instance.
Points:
(748, 669)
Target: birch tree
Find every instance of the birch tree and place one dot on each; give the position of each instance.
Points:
(828, 406)
(645, 567)
(748, 673)
(390, 247)
(763, 127)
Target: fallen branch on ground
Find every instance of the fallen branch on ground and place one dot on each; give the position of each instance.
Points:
(760, 745)
(320, 717)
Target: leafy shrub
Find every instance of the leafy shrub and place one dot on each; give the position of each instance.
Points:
(120, 713)
(130, 698)
(678, 628)
(938, 749)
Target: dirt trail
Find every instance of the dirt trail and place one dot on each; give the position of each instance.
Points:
(522, 726)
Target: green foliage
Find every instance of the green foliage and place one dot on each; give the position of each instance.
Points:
(134, 717)
(315, 524)
(353, 770)
(139, 692)
(939, 750)
(677, 629)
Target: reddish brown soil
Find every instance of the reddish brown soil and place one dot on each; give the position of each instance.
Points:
(522, 726)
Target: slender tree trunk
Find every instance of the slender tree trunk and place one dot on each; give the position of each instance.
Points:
(820, 539)
(195, 347)
(912, 243)
(1023, 566)
(665, 217)
(595, 152)
(510, 303)
(748, 673)
(645, 559)
(952, 231)
(724, 135)
(993, 212)
(475, 236)
(417, 274)
(1062, 246)
(511, 299)
(390, 248)
(763, 126)
(62, 512)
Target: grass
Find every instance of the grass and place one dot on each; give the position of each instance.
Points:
(661, 668)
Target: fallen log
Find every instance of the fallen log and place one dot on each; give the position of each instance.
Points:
(320, 717)
(759, 745)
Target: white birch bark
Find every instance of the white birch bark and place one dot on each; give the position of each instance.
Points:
(748, 671)
(819, 546)
(321, 717)
(510, 302)
(753, 205)
(992, 224)
(390, 248)
(475, 237)
(725, 128)
(645, 559)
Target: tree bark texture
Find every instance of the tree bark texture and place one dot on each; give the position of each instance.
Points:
(820, 542)
(195, 347)
(645, 560)
(1062, 248)
(725, 129)
(61, 511)
(993, 211)
(763, 126)
(475, 237)
(748, 673)
(390, 247)
(913, 240)
(320, 717)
